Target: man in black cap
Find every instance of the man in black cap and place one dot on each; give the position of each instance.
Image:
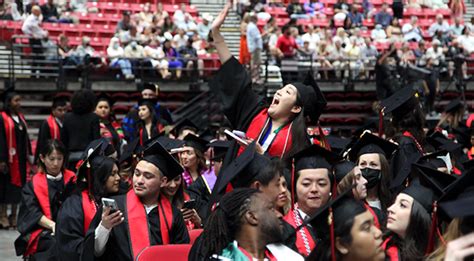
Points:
(149, 218)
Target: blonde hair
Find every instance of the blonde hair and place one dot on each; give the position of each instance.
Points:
(452, 232)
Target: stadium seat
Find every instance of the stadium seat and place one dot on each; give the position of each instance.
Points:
(194, 234)
(167, 252)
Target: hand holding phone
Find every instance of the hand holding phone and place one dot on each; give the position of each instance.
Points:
(111, 216)
(190, 204)
(236, 137)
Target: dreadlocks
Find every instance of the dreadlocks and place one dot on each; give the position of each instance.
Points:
(224, 222)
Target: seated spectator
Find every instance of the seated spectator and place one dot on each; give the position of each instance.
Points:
(147, 35)
(204, 26)
(134, 51)
(435, 54)
(188, 24)
(368, 8)
(341, 9)
(354, 55)
(189, 57)
(154, 52)
(79, 6)
(357, 33)
(180, 39)
(312, 37)
(168, 25)
(124, 24)
(378, 34)
(173, 58)
(115, 52)
(415, 4)
(179, 15)
(51, 14)
(456, 28)
(435, 4)
(200, 45)
(355, 17)
(50, 50)
(314, 8)
(411, 31)
(30, 5)
(286, 43)
(421, 59)
(466, 41)
(296, 36)
(84, 51)
(341, 36)
(338, 57)
(9, 11)
(439, 26)
(384, 17)
(406, 55)
(160, 14)
(394, 30)
(130, 35)
(442, 37)
(296, 10)
(65, 51)
(347, 24)
(146, 16)
(322, 60)
(369, 55)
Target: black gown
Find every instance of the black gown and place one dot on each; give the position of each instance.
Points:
(9, 193)
(43, 136)
(401, 161)
(199, 192)
(30, 214)
(118, 245)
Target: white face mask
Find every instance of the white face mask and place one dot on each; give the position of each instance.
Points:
(116, 45)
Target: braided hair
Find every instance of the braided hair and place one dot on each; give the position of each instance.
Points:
(225, 221)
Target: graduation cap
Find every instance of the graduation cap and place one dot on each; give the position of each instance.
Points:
(243, 169)
(463, 135)
(313, 99)
(104, 149)
(195, 142)
(220, 149)
(130, 151)
(337, 144)
(169, 143)
(149, 101)
(433, 159)
(315, 157)
(453, 106)
(342, 168)
(207, 135)
(151, 86)
(423, 195)
(184, 124)
(332, 215)
(436, 180)
(157, 155)
(83, 166)
(369, 143)
(103, 96)
(400, 103)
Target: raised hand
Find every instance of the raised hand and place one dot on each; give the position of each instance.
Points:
(219, 20)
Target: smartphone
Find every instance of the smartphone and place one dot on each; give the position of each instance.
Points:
(190, 204)
(237, 138)
(108, 202)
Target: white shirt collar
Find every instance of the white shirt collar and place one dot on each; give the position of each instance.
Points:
(150, 208)
(53, 178)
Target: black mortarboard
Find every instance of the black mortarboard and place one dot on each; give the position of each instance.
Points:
(184, 124)
(220, 149)
(313, 99)
(421, 194)
(157, 155)
(436, 139)
(337, 144)
(463, 135)
(130, 151)
(461, 207)
(369, 143)
(453, 106)
(400, 103)
(105, 149)
(169, 143)
(432, 160)
(151, 86)
(103, 96)
(195, 142)
(206, 135)
(243, 169)
(342, 168)
(468, 165)
(84, 164)
(315, 157)
(149, 101)
(437, 181)
(370, 125)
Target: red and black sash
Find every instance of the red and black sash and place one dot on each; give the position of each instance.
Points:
(283, 137)
(41, 190)
(159, 128)
(89, 208)
(13, 160)
(300, 242)
(418, 145)
(391, 251)
(138, 222)
(54, 130)
(376, 218)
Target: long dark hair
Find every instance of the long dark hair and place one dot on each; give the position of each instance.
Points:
(50, 146)
(83, 101)
(412, 122)
(413, 246)
(225, 221)
(298, 130)
(100, 169)
(154, 119)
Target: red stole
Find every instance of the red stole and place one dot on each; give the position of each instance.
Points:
(376, 219)
(300, 244)
(89, 208)
(277, 147)
(14, 162)
(53, 128)
(391, 252)
(40, 188)
(138, 222)
(159, 128)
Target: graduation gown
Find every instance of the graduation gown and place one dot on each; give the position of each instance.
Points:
(199, 191)
(32, 240)
(118, 246)
(294, 239)
(46, 133)
(9, 192)
(400, 164)
(143, 134)
(392, 252)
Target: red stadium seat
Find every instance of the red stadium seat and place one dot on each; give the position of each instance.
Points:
(167, 252)
(194, 234)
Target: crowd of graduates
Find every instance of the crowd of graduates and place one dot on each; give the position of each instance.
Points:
(267, 191)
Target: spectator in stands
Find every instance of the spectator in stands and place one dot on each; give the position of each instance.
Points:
(394, 31)
(338, 56)
(269, 29)
(179, 15)
(435, 4)
(51, 14)
(147, 35)
(414, 4)
(466, 40)
(84, 51)
(458, 9)
(32, 28)
(50, 50)
(146, 16)
(66, 52)
(314, 8)
(456, 28)
(134, 50)
(384, 17)
(406, 55)
(346, 24)
(115, 52)
(155, 54)
(341, 9)
(160, 14)
(168, 25)
(173, 58)
(358, 34)
(322, 60)
(378, 34)
(354, 54)
(130, 35)
(305, 53)
(435, 54)
(420, 54)
(204, 26)
(296, 10)
(341, 36)
(440, 26)
(180, 39)
(286, 43)
(312, 37)
(411, 31)
(397, 7)
(355, 17)
(125, 23)
(369, 56)
(255, 47)
(189, 56)
(79, 5)
(30, 5)
(244, 55)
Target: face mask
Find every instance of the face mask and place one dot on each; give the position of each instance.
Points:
(116, 45)
(373, 177)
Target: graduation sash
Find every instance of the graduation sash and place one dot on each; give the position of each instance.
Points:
(89, 208)
(391, 251)
(41, 190)
(13, 160)
(139, 233)
(54, 131)
(376, 218)
(159, 128)
(278, 143)
(304, 240)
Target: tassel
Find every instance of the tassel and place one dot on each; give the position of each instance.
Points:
(331, 234)
(293, 183)
(433, 229)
